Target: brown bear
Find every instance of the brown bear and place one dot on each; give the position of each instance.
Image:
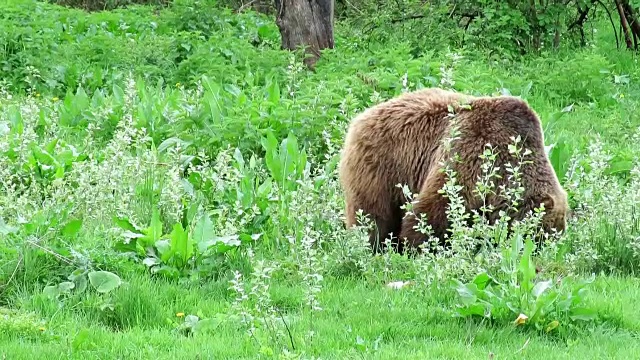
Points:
(400, 141)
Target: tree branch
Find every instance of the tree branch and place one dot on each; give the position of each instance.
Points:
(613, 25)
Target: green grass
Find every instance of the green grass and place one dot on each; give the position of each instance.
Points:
(408, 325)
(242, 110)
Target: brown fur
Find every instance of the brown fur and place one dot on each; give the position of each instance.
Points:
(400, 142)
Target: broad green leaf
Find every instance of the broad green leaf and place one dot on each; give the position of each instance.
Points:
(170, 142)
(165, 250)
(118, 94)
(154, 232)
(125, 224)
(191, 320)
(51, 146)
(559, 156)
(581, 313)
(222, 244)
(207, 325)
(237, 155)
(264, 189)
(245, 238)
(51, 291)
(81, 283)
(181, 244)
(468, 293)
(475, 309)
(540, 288)
(618, 166)
(66, 286)
(270, 145)
(151, 261)
(203, 232)
(43, 157)
(482, 280)
(72, 227)
(232, 89)
(104, 281)
(273, 92)
(527, 268)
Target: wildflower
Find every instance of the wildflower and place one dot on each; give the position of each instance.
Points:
(55, 98)
(41, 328)
(180, 314)
(522, 318)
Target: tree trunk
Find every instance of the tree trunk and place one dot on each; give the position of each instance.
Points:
(634, 24)
(624, 24)
(306, 23)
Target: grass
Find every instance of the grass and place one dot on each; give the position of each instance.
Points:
(374, 323)
(215, 152)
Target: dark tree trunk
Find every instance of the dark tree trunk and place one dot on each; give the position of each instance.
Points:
(632, 19)
(306, 23)
(624, 24)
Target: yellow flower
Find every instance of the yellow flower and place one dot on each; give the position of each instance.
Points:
(55, 98)
(621, 96)
(522, 318)
(180, 314)
(37, 94)
(178, 84)
(42, 328)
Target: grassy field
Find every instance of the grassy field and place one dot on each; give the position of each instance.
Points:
(168, 190)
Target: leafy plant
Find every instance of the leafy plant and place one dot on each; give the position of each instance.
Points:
(517, 293)
(180, 252)
(103, 282)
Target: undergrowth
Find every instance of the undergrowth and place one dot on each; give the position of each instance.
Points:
(208, 156)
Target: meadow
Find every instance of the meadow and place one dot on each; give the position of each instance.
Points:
(168, 190)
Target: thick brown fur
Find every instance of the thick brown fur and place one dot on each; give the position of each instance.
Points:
(400, 141)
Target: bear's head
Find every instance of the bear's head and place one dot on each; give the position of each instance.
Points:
(556, 209)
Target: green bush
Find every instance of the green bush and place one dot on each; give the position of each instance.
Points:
(97, 5)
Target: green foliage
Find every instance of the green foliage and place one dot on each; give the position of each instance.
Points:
(499, 29)
(516, 294)
(180, 252)
(102, 282)
(191, 121)
(95, 5)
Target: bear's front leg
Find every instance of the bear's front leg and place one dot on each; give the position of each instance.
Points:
(433, 205)
(386, 218)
